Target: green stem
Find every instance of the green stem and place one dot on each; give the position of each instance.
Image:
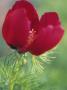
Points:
(11, 85)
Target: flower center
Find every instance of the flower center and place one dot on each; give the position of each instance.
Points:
(31, 37)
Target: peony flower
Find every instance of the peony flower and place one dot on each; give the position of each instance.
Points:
(23, 31)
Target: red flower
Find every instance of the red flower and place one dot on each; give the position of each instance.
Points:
(23, 31)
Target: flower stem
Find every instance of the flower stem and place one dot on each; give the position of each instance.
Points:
(10, 85)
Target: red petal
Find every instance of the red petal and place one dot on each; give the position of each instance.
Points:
(49, 18)
(31, 12)
(16, 28)
(49, 35)
(47, 39)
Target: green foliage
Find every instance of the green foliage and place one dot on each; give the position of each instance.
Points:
(22, 71)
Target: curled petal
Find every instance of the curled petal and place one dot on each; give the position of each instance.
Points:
(30, 10)
(16, 28)
(49, 35)
(49, 18)
(47, 39)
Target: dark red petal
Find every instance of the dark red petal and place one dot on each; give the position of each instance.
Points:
(49, 35)
(31, 12)
(49, 18)
(16, 28)
(47, 39)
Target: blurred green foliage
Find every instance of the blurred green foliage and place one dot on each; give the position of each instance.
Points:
(55, 74)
